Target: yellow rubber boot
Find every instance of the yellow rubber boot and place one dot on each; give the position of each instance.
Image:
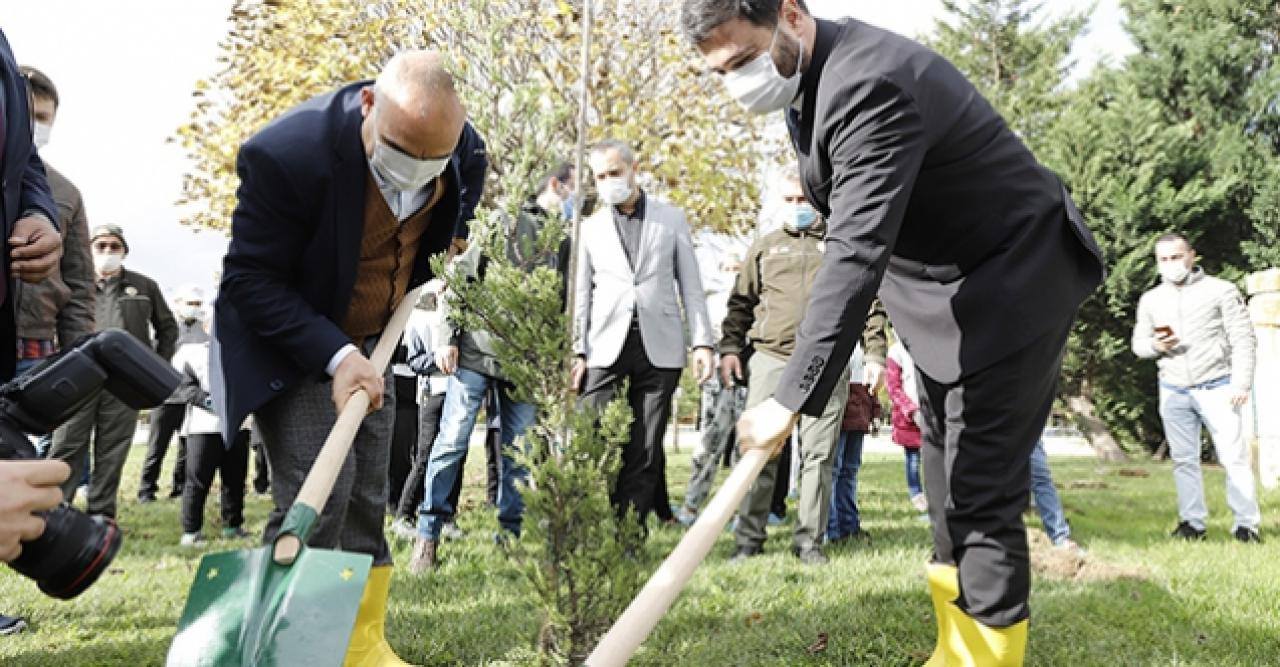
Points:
(369, 647)
(963, 641)
(944, 587)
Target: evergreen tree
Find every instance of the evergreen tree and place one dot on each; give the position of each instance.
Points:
(1016, 58)
(1182, 138)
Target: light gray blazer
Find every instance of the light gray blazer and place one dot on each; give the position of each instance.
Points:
(607, 289)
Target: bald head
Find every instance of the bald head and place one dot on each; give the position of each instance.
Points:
(413, 107)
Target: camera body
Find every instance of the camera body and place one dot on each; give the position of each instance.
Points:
(75, 548)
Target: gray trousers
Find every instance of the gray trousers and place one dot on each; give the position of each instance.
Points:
(111, 425)
(724, 406)
(294, 427)
(818, 436)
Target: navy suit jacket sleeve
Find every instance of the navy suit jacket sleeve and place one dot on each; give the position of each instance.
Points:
(271, 227)
(36, 195)
(877, 145)
(472, 162)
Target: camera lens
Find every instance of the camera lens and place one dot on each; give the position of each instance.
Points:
(73, 551)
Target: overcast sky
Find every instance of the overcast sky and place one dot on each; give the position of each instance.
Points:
(125, 70)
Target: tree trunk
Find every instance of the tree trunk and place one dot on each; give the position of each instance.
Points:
(1095, 431)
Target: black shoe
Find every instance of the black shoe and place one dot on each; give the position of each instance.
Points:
(1187, 532)
(742, 553)
(175, 493)
(811, 555)
(12, 625)
(145, 498)
(1246, 535)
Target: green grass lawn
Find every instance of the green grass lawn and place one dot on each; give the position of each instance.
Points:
(1140, 599)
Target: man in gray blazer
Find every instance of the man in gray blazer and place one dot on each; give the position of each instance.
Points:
(976, 250)
(634, 254)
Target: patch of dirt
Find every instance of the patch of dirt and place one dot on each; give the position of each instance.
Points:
(1071, 565)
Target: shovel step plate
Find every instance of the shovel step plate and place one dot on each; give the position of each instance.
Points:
(246, 610)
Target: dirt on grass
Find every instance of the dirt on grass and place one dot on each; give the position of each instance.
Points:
(1073, 564)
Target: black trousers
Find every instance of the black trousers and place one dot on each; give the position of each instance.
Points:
(205, 456)
(404, 438)
(492, 446)
(411, 493)
(165, 420)
(649, 395)
(261, 469)
(778, 504)
(977, 440)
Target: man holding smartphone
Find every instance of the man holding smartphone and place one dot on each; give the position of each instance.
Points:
(1198, 330)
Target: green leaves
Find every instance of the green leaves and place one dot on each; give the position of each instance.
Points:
(517, 62)
(1182, 137)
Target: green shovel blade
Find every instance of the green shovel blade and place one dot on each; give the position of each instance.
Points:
(244, 609)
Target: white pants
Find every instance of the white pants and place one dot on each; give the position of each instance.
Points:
(1183, 411)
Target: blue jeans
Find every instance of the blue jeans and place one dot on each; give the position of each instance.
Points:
(1184, 411)
(912, 459)
(844, 519)
(1048, 504)
(462, 403)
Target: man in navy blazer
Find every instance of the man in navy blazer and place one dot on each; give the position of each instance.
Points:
(975, 249)
(343, 200)
(27, 213)
(26, 204)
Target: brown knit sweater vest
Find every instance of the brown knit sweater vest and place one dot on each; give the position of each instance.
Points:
(387, 253)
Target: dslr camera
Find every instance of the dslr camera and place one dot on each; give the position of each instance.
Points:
(75, 547)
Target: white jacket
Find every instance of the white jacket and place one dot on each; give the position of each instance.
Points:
(1215, 335)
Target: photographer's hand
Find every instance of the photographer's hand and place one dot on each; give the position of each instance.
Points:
(27, 487)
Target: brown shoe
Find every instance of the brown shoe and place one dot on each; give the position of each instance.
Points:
(424, 556)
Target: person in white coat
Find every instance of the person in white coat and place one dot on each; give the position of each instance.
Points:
(207, 453)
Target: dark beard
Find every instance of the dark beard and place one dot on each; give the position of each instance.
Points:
(789, 59)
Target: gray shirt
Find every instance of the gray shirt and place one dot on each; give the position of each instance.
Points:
(629, 226)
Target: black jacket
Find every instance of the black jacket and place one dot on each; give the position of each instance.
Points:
(925, 187)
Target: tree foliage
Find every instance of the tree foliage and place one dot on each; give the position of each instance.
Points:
(1016, 58)
(578, 558)
(516, 61)
(1181, 137)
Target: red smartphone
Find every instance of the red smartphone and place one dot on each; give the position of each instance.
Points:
(1164, 330)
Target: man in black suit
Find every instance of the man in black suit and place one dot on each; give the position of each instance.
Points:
(984, 262)
(342, 201)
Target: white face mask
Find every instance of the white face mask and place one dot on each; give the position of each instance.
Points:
(43, 130)
(759, 86)
(191, 312)
(403, 172)
(1175, 272)
(614, 190)
(107, 263)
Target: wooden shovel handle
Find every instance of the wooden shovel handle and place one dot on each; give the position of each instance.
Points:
(324, 472)
(648, 607)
